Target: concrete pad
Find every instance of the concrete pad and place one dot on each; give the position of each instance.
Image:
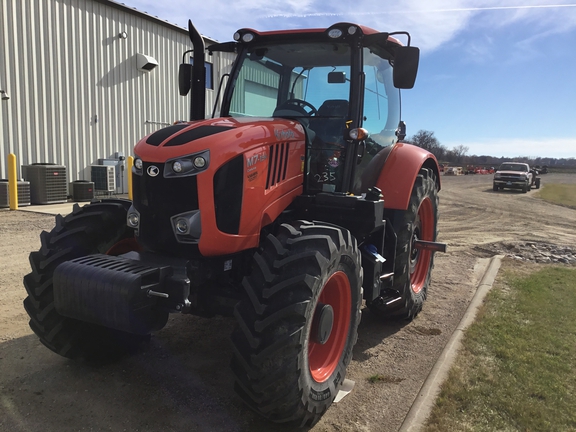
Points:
(63, 208)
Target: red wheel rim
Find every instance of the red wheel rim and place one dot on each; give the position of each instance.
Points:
(323, 358)
(420, 259)
(124, 246)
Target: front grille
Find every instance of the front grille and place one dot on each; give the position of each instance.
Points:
(512, 177)
(157, 199)
(228, 187)
(277, 164)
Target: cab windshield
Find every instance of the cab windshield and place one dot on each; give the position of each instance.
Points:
(312, 82)
(513, 167)
(272, 75)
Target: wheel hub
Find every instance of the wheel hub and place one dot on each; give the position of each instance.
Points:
(413, 248)
(322, 323)
(420, 259)
(414, 252)
(330, 326)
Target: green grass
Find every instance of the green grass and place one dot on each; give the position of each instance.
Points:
(381, 378)
(562, 170)
(560, 194)
(517, 368)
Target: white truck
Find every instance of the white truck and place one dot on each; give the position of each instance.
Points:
(515, 175)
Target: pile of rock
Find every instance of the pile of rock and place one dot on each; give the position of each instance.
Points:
(533, 251)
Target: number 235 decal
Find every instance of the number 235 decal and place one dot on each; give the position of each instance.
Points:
(324, 177)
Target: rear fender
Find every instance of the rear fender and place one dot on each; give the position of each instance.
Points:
(400, 169)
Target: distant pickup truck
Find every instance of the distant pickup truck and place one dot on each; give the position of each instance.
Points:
(515, 175)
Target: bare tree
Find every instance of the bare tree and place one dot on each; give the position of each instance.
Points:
(460, 151)
(426, 140)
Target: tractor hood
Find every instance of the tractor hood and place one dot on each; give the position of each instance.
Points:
(226, 178)
(231, 136)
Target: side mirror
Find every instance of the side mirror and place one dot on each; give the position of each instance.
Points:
(184, 78)
(406, 66)
(336, 78)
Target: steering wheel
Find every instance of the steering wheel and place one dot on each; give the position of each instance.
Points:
(298, 105)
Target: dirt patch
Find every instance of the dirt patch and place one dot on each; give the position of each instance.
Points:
(181, 379)
(539, 252)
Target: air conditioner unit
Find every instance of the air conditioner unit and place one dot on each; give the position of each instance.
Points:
(104, 178)
(48, 184)
(82, 190)
(23, 193)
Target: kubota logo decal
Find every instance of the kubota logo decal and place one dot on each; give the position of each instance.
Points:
(153, 171)
(283, 134)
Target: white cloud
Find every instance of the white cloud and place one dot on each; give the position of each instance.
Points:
(431, 22)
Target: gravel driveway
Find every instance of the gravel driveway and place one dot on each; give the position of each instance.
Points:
(181, 380)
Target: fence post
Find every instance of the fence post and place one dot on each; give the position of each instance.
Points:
(130, 164)
(12, 182)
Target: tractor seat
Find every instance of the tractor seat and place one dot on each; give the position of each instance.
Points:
(330, 120)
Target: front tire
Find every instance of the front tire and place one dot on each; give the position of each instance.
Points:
(298, 325)
(413, 267)
(99, 227)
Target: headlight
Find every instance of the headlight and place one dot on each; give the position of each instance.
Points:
(181, 226)
(244, 37)
(187, 227)
(133, 218)
(187, 165)
(199, 162)
(137, 166)
(335, 33)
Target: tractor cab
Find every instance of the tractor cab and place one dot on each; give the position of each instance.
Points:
(338, 83)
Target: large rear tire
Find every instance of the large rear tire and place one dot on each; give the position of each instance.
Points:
(298, 324)
(99, 227)
(413, 266)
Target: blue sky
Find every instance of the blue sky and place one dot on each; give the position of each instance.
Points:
(496, 76)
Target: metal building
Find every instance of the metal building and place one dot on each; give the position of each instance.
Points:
(82, 81)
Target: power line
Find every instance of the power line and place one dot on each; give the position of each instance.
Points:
(468, 9)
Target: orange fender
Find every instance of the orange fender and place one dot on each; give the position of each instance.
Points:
(401, 167)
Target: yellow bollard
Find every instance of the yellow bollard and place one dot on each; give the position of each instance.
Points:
(12, 182)
(130, 163)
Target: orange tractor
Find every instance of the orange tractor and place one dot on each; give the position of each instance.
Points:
(289, 211)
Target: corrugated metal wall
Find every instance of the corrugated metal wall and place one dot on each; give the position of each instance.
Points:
(76, 94)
